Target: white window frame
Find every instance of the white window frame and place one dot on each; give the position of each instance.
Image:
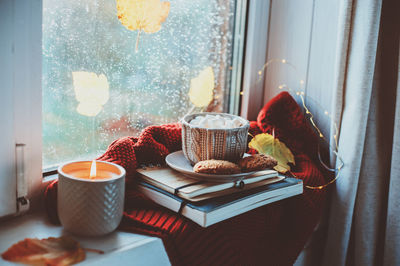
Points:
(7, 142)
(237, 56)
(28, 89)
(255, 57)
(23, 57)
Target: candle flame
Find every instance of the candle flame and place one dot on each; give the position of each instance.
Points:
(93, 170)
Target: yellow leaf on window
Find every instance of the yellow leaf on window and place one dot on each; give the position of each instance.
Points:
(266, 144)
(146, 15)
(201, 88)
(91, 91)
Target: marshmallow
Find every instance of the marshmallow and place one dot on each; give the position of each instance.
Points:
(203, 123)
(216, 121)
(237, 122)
(195, 122)
(229, 124)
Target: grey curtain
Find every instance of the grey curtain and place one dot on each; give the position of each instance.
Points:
(364, 220)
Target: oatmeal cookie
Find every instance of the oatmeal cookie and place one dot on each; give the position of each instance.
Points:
(257, 162)
(216, 167)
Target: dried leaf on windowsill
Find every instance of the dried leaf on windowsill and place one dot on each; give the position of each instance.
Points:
(50, 251)
(269, 145)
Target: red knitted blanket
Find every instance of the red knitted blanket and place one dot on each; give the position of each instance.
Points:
(270, 235)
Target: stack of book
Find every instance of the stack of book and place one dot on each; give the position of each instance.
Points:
(207, 203)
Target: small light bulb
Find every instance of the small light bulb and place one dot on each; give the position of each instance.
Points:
(284, 61)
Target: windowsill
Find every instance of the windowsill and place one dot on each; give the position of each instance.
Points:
(120, 248)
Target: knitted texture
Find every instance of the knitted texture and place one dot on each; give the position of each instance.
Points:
(270, 235)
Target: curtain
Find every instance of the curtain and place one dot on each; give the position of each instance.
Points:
(364, 220)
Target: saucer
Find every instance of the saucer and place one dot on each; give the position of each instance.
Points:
(178, 162)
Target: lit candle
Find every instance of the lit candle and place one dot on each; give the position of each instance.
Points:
(90, 196)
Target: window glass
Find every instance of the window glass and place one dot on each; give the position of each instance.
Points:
(98, 87)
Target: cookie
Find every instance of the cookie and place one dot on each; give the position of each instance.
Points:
(257, 162)
(216, 167)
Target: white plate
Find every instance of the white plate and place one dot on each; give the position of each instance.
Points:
(178, 162)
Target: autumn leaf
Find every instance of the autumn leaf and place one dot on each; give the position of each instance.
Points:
(267, 144)
(50, 251)
(146, 15)
(201, 88)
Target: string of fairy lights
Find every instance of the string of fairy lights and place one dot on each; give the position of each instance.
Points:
(309, 115)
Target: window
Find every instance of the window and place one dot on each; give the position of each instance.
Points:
(47, 45)
(97, 87)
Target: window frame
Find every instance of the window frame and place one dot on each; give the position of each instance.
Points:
(7, 147)
(237, 56)
(28, 89)
(257, 33)
(23, 61)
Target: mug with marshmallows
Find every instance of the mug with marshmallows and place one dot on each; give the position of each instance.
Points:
(217, 136)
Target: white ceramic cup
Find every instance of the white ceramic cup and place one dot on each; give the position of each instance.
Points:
(90, 207)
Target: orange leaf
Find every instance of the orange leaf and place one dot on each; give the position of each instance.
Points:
(50, 251)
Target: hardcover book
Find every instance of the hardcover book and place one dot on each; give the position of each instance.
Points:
(193, 189)
(218, 207)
